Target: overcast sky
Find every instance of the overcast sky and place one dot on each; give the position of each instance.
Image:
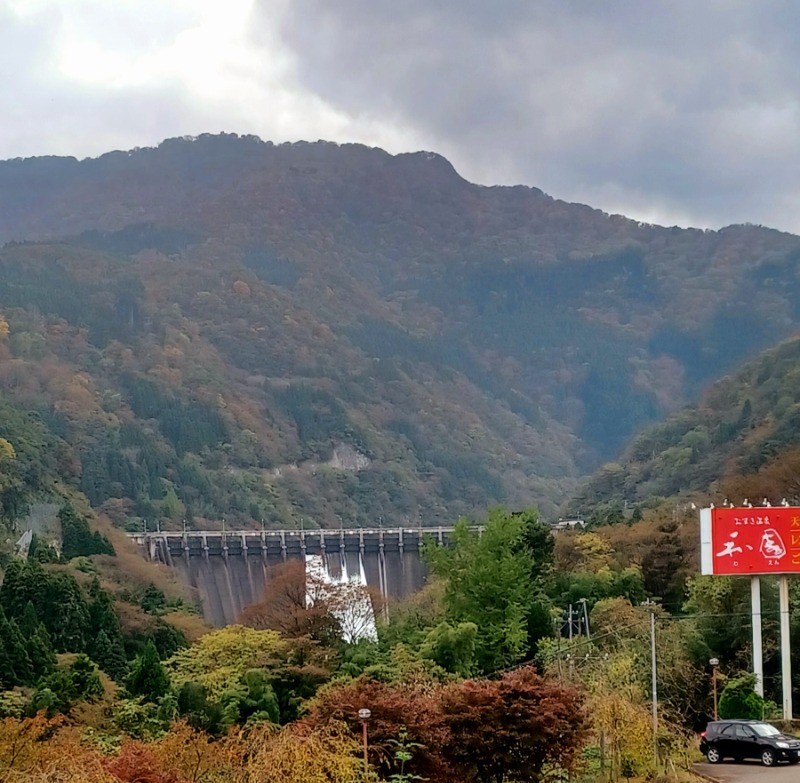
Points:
(681, 111)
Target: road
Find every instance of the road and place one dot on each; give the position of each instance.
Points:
(750, 772)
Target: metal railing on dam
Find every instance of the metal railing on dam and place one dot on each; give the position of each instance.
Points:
(230, 569)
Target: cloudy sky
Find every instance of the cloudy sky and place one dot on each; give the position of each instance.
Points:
(679, 112)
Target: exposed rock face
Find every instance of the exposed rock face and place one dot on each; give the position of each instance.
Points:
(345, 457)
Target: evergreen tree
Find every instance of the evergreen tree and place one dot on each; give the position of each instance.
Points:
(65, 613)
(148, 677)
(8, 678)
(40, 652)
(153, 600)
(106, 643)
(22, 583)
(110, 657)
(86, 683)
(41, 551)
(77, 539)
(58, 691)
(17, 665)
(29, 621)
(102, 616)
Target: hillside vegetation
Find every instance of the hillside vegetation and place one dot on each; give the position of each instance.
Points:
(224, 328)
(742, 441)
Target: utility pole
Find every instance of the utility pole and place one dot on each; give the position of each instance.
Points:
(571, 663)
(585, 619)
(653, 680)
(714, 662)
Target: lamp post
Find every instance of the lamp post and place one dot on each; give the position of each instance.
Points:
(364, 715)
(714, 662)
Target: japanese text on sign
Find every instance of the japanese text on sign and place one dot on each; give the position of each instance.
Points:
(750, 541)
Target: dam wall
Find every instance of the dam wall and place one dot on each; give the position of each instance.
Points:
(229, 570)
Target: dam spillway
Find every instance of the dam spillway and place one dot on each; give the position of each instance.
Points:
(230, 570)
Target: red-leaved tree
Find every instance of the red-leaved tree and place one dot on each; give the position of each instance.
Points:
(512, 728)
(397, 710)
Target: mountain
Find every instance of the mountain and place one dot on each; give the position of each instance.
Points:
(221, 327)
(741, 441)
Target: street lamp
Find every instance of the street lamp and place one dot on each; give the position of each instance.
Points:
(364, 715)
(714, 663)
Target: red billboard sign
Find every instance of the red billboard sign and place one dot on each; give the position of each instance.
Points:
(750, 540)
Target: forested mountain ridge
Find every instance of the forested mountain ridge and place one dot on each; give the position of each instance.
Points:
(224, 327)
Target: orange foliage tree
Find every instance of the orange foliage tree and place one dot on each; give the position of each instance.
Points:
(293, 605)
(324, 754)
(519, 727)
(512, 728)
(396, 709)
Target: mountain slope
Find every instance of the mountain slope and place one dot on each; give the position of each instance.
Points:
(224, 327)
(741, 441)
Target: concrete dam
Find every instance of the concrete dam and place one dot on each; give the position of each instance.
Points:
(229, 570)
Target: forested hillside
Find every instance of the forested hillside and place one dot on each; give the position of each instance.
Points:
(742, 441)
(224, 328)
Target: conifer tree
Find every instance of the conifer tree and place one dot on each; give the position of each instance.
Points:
(65, 613)
(106, 645)
(22, 582)
(29, 621)
(16, 665)
(40, 652)
(8, 678)
(148, 677)
(77, 539)
(110, 656)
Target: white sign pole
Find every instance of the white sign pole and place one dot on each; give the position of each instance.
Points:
(786, 647)
(758, 653)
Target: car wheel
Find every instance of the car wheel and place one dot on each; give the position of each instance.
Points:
(713, 755)
(768, 757)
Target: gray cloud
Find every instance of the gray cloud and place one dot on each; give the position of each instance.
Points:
(683, 110)
(679, 111)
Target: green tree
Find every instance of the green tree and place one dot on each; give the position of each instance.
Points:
(40, 651)
(64, 612)
(110, 656)
(153, 600)
(16, 666)
(86, 683)
(57, 692)
(195, 706)
(148, 678)
(219, 659)
(490, 582)
(740, 700)
(76, 537)
(29, 621)
(105, 636)
(452, 648)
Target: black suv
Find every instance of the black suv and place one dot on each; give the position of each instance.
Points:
(748, 739)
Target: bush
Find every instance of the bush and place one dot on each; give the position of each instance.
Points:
(740, 700)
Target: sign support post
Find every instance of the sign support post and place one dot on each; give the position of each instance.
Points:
(786, 647)
(758, 652)
(753, 541)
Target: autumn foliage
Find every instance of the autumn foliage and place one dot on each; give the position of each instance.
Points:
(473, 731)
(517, 727)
